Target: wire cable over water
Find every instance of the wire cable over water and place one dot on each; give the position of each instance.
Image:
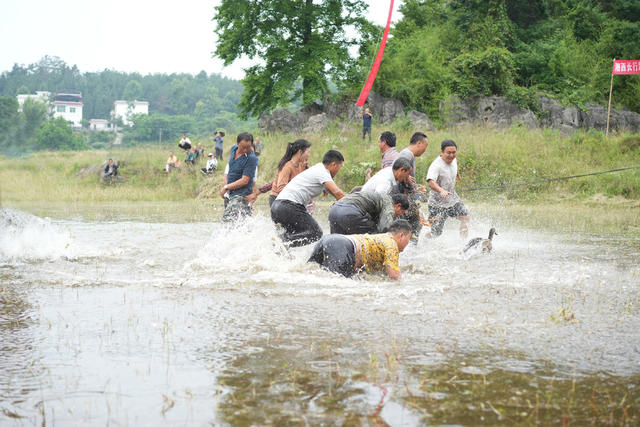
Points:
(541, 181)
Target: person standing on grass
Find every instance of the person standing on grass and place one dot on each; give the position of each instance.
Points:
(366, 123)
(289, 210)
(219, 140)
(387, 145)
(347, 255)
(240, 178)
(443, 200)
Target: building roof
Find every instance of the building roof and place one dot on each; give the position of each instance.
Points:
(131, 102)
(78, 104)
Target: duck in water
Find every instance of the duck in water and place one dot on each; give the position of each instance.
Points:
(481, 244)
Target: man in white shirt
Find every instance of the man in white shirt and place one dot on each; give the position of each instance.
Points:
(185, 142)
(443, 200)
(289, 209)
(384, 180)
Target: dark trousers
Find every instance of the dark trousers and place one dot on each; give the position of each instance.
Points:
(336, 253)
(365, 130)
(299, 226)
(348, 219)
(219, 153)
(272, 199)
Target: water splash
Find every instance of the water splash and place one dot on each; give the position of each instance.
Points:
(30, 238)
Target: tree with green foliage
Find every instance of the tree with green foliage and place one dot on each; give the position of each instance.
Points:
(8, 121)
(514, 48)
(35, 112)
(296, 40)
(57, 134)
(132, 91)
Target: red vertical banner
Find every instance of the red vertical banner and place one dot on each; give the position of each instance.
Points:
(376, 64)
(625, 66)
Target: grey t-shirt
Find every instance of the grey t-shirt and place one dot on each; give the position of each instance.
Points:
(376, 206)
(445, 175)
(306, 185)
(407, 154)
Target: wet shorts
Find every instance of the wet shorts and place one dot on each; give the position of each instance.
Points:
(440, 215)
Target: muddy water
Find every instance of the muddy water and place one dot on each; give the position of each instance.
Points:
(129, 320)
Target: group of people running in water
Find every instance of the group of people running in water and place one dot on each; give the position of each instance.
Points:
(369, 226)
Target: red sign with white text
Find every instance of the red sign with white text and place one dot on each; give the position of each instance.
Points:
(622, 66)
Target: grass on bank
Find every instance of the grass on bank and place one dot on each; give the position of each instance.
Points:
(486, 157)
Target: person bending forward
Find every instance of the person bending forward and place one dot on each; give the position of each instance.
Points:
(366, 212)
(346, 255)
(289, 209)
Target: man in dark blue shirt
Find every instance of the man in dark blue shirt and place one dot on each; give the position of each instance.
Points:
(242, 169)
(366, 123)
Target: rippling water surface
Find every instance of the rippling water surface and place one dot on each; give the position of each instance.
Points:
(133, 321)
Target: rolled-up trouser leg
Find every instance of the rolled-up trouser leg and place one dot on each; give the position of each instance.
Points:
(299, 226)
(413, 216)
(348, 219)
(336, 253)
(437, 216)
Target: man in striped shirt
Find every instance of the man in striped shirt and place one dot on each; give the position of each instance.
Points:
(387, 145)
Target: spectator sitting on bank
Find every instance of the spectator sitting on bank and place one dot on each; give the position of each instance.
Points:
(172, 162)
(192, 155)
(212, 164)
(111, 169)
(199, 150)
(185, 142)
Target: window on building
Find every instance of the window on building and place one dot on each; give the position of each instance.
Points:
(60, 109)
(72, 109)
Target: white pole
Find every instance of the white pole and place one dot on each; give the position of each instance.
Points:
(609, 108)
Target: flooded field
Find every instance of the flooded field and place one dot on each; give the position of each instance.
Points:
(167, 317)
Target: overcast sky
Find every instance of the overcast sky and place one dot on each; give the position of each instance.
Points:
(147, 36)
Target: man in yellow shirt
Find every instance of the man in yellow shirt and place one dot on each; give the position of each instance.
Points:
(347, 255)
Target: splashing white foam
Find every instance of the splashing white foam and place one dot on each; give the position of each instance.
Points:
(30, 238)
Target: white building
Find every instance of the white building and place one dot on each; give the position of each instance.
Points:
(41, 95)
(126, 109)
(99, 124)
(68, 106)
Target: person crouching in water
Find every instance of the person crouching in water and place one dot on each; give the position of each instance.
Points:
(289, 209)
(242, 170)
(347, 255)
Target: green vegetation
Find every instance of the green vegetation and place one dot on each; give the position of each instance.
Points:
(486, 158)
(563, 48)
(299, 41)
(196, 104)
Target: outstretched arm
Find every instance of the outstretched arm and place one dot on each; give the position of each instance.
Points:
(435, 187)
(334, 189)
